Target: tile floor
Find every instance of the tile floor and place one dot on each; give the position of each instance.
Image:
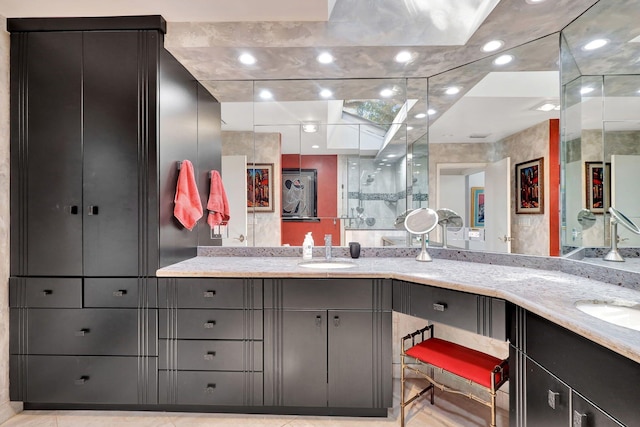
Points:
(450, 410)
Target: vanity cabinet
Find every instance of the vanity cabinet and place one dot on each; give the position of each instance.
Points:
(475, 313)
(562, 379)
(328, 345)
(210, 342)
(65, 352)
(95, 137)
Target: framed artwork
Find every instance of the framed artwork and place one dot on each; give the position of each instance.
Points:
(260, 187)
(299, 193)
(598, 186)
(530, 187)
(477, 207)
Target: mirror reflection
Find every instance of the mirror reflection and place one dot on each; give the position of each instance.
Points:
(601, 126)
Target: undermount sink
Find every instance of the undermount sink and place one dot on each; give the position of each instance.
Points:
(621, 313)
(327, 264)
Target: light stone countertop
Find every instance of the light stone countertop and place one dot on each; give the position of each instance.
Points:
(550, 294)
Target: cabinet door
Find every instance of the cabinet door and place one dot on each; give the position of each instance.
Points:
(350, 359)
(111, 153)
(585, 414)
(304, 358)
(53, 169)
(547, 399)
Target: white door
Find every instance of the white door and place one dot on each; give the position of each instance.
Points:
(497, 206)
(234, 179)
(625, 176)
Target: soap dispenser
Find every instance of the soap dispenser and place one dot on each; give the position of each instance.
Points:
(307, 246)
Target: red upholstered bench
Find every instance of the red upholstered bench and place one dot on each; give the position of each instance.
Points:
(477, 367)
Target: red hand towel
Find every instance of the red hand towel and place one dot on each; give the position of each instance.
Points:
(188, 208)
(217, 205)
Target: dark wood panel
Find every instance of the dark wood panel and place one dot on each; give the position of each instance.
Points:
(53, 147)
(111, 146)
(548, 400)
(211, 355)
(147, 22)
(211, 324)
(45, 292)
(117, 292)
(210, 388)
(211, 293)
(320, 293)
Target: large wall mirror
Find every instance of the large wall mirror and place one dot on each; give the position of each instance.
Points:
(601, 124)
(348, 157)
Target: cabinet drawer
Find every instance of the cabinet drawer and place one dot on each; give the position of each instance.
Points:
(46, 292)
(211, 388)
(212, 355)
(119, 292)
(318, 294)
(84, 331)
(85, 379)
(439, 305)
(212, 324)
(211, 293)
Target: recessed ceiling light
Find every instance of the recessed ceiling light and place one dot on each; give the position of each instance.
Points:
(547, 106)
(420, 116)
(389, 164)
(265, 94)
(431, 111)
(503, 59)
(404, 56)
(418, 164)
(378, 169)
(315, 146)
(411, 127)
(535, 1)
(492, 46)
(383, 160)
(310, 127)
(385, 93)
(247, 59)
(325, 58)
(452, 90)
(391, 155)
(417, 172)
(585, 90)
(326, 93)
(595, 44)
(354, 164)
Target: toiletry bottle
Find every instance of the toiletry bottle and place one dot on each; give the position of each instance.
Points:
(307, 246)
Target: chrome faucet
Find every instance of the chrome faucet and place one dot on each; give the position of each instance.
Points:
(327, 246)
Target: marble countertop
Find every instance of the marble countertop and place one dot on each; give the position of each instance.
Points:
(550, 294)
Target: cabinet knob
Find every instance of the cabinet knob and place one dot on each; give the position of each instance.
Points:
(553, 399)
(47, 292)
(210, 324)
(439, 306)
(73, 210)
(209, 294)
(92, 210)
(82, 380)
(318, 320)
(210, 355)
(210, 388)
(336, 321)
(82, 332)
(120, 293)
(579, 420)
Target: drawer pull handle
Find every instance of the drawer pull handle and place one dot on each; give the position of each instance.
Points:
(209, 294)
(120, 293)
(47, 292)
(210, 324)
(82, 332)
(82, 380)
(318, 321)
(73, 210)
(210, 355)
(440, 306)
(579, 420)
(92, 210)
(210, 388)
(553, 399)
(336, 321)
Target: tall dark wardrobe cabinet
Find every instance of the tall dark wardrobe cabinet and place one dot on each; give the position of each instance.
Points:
(101, 114)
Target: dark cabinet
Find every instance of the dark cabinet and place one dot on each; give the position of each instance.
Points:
(547, 398)
(586, 414)
(334, 350)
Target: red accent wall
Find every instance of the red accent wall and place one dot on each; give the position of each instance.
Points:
(327, 189)
(554, 187)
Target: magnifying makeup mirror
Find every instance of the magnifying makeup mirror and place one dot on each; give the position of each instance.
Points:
(618, 217)
(448, 220)
(421, 221)
(586, 219)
